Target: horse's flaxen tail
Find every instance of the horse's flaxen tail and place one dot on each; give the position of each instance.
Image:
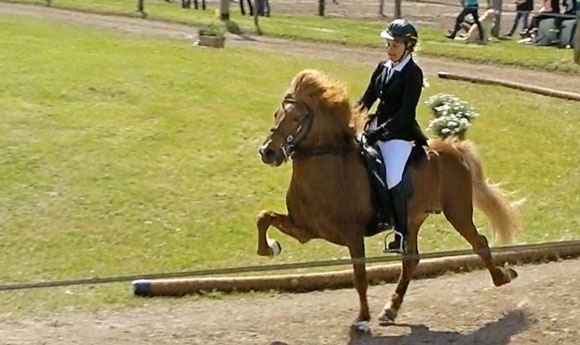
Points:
(489, 198)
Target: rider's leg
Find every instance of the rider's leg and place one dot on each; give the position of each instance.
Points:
(399, 199)
(395, 154)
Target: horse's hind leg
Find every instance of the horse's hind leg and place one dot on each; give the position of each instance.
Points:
(461, 217)
(282, 222)
(410, 262)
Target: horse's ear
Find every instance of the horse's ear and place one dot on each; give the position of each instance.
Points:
(299, 80)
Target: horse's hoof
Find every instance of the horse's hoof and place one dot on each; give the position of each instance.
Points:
(507, 275)
(387, 316)
(275, 247)
(360, 327)
(511, 274)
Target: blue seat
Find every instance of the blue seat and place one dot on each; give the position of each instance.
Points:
(567, 32)
(546, 32)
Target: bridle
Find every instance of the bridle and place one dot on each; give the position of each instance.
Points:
(290, 142)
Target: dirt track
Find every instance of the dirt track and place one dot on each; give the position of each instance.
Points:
(541, 307)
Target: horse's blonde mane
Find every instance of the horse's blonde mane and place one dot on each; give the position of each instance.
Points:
(328, 96)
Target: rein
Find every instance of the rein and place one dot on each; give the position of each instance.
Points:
(304, 153)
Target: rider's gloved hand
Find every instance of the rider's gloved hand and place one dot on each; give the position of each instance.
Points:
(373, 136)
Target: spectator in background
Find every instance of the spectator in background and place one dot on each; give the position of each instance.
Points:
(523, 8)
(570, 7)
(469, 7)
(550, 7)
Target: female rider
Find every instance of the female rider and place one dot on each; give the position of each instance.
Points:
(397, 82)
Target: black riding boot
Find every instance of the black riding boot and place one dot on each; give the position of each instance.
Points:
(399, 200)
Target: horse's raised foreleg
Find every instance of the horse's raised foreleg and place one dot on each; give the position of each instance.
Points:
(410, 262)
(268, 247)
(461, 217)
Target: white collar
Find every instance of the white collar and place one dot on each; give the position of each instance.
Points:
(400, 65)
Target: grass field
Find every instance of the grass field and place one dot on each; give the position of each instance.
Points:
(126, 156)
(342, 31)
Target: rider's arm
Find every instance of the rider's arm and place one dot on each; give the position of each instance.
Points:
(370, 95)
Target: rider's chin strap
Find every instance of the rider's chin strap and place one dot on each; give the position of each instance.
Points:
(408, 50)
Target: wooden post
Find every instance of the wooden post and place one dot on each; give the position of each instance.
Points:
(577, 39)
(497, 5)
(398, 13)
(381, 8)
(225, 9)
(571, 96)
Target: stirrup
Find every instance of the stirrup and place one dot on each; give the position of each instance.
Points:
(402, 244)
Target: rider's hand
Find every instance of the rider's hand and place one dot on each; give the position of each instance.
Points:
(373, 136)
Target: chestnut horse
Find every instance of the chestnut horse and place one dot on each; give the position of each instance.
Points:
(329, 196)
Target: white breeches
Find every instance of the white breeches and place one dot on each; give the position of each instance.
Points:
(395, 154)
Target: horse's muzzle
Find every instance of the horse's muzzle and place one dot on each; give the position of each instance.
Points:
(269, 156)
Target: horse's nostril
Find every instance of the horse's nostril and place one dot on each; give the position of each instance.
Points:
(268, 155)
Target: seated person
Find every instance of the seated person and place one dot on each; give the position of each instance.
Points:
(570, 9)
(465, 25)
(550, 7)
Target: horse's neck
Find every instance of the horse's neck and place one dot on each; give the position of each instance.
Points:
(326, 173)
(332, 187)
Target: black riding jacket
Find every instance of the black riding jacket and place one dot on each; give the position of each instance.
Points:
(398, 90)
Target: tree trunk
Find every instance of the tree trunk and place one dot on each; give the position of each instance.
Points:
(257, 5)
(497, 6)
(224, 9)
(398, 14)
(141, 8)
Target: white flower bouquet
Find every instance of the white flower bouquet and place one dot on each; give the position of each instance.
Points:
(452, 116)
